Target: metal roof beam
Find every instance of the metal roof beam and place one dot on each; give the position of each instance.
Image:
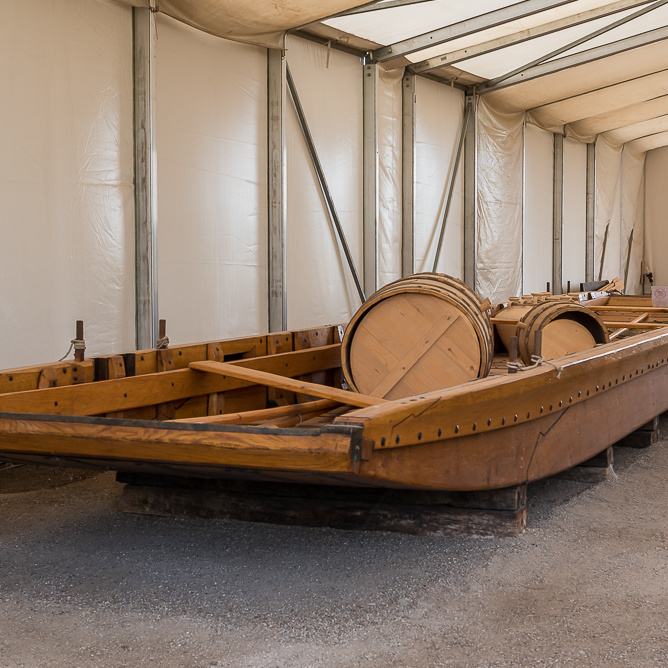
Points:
(582, 58)
(523, 36)
(468, 26)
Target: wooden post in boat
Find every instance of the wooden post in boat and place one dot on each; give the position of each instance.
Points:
(538, 344)
(162, 341)
(548, 287)
(80, 350)
(512, 354)
(568, 287)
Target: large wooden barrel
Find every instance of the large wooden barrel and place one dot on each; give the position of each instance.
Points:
(423, 332)
(566, 328)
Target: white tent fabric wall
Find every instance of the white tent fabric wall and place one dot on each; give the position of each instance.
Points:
(574, 239)
(656, 206)
(499, 202)
(439, 113)
(320, 289)
(632, 219)
(389, 111)
(607, 225)
(66, 178)
(212, 184)
(538, 197)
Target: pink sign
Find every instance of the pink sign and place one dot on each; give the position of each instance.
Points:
(659, 296)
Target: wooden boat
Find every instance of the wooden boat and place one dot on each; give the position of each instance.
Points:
(273, 408)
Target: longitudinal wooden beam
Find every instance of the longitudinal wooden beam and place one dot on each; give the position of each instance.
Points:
(245, 417)
(274, 380)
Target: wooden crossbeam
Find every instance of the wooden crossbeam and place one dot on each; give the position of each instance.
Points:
(274, 380)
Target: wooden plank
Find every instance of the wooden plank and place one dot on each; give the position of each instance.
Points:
(634, 325)
(146, 361)
(28, 378)
(264, 414)
(252, 447)
(274, 380)
(640, 318)
(150, 389)
(413, 355)
(648, 308)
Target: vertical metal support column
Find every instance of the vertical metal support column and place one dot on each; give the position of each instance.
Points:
(146, 194)
(370, 170)
(408, 180)
(277, 187)
(591, 212)
(558, 215)
(470, 195)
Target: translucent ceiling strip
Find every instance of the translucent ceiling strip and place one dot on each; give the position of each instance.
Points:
(374, 7)
(533, 32)
(534, 72)
(467, 27)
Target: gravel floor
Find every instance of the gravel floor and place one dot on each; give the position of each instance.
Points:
(83, 585)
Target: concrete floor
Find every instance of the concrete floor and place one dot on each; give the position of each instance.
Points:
(83, 585)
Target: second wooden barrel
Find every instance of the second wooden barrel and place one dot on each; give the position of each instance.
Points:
(421, 333)
(566, 328)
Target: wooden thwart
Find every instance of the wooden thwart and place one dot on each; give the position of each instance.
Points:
(274, 380)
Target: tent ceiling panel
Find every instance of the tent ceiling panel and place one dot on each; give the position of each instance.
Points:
(618, 118)
(449, 20)
(637, 130)
(648, 143)
(262, 22)
(610, 98)
(580, 80)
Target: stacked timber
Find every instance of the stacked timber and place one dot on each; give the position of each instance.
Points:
(423, 332)
(566, 327)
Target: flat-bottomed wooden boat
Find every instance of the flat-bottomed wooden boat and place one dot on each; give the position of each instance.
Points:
(274, 408)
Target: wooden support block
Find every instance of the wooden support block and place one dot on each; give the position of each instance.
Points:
(596, 469)
(423, 513)
(647, 435)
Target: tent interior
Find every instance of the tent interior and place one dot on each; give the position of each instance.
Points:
(155, 162)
